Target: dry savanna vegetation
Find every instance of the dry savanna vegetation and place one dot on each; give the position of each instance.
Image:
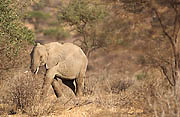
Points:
(132, 47)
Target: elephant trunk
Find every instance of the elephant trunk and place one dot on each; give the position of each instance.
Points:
(34, 69)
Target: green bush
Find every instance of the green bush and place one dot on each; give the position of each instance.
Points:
(81, 13)
(56, 32)
(141, 76)
(84, 16)
(13, 33)
(38, 15)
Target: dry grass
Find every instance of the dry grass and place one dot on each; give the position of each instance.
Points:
(23, 93)
(166, 102)
(106, 94)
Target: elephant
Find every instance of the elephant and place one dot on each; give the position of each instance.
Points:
(66, 61)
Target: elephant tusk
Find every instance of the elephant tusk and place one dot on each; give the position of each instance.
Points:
(37, 70)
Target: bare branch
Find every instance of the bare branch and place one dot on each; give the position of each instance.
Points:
(174, 51)
(170, 68)
(176, 20)
(163, 27)
(164, 70)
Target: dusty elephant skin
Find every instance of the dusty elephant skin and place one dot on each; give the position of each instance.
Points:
(66, 60)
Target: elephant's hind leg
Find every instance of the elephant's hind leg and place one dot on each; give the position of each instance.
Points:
(80, 81)
(79, 86)
(57, 87)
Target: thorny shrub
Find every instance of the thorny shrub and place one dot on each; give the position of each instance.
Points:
(166, 103)
(24, 92)
(157, 97)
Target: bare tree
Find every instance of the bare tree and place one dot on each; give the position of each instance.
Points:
(173, 38)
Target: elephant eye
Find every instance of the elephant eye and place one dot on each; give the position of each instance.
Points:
(40, 58)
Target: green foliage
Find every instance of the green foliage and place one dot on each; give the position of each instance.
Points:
(56, 32)
(38, 15)
(13, 33)
(141, 76)
(80, 13)
(135, 6)
(83, 16)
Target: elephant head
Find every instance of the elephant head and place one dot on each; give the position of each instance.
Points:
(38, 57)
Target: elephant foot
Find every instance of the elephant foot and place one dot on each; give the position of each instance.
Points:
(79, 94)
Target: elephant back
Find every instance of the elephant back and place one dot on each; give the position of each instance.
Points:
(61, 52)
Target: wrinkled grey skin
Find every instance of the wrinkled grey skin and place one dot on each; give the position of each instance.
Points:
(66, 60)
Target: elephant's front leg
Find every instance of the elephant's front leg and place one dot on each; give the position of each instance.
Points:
(57, 86)
(48, 81)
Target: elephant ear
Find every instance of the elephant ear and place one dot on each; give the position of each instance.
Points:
(55, 55)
